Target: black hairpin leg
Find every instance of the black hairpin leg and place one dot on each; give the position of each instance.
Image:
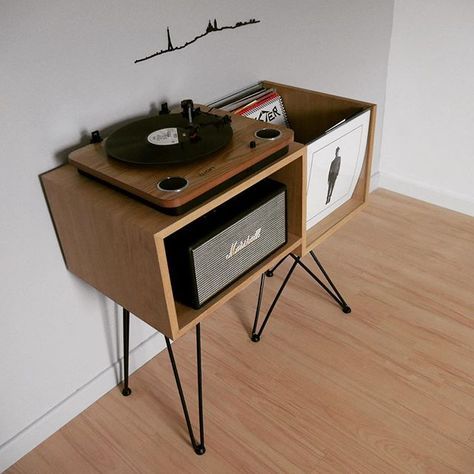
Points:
(126, 391)
(335, 293)
(198, 447)
(255, 337)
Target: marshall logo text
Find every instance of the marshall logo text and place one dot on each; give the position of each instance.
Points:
(238, 246)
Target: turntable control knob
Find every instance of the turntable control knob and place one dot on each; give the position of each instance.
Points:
(172, 183)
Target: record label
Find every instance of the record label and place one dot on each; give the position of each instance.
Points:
(164, 136)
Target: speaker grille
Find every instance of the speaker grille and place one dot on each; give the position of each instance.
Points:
(211, 252)
(217, 263)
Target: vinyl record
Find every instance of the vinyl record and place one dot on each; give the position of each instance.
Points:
(168, 139)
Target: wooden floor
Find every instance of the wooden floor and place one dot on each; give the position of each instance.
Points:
(390, 388)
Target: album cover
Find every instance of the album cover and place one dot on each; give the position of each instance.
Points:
(268, 109)
(334, 165)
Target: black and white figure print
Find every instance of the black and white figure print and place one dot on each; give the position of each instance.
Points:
(333, 173)
(335, 162)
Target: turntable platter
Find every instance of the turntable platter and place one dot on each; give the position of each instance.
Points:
(168, 139)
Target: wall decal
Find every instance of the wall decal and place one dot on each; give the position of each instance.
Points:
(211, 28)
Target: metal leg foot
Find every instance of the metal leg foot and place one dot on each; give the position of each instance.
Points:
(126, 391)
(199, 448)
(256, 335)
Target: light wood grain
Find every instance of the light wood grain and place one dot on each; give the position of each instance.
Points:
(311, 113)
(294, 177)
(116, 243)
(108, 240)
(387, 389)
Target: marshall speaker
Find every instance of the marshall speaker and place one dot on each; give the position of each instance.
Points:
(209, 254)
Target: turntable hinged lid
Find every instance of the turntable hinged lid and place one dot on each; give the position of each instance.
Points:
(174, 187)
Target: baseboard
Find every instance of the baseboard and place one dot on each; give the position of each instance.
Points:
(34, 434)
(415, 189)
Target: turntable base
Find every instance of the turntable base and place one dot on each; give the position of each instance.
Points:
(175, 188)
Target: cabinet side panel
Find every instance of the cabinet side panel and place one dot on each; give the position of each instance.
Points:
(108, 240)
(370, 149)
(294, 177)
(311, 113)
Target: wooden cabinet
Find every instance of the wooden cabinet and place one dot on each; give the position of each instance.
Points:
(115, 242)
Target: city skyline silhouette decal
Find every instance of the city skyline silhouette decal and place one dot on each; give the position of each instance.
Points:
(212, 27)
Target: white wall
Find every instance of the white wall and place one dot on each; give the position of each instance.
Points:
(67, 69)
(428, 137)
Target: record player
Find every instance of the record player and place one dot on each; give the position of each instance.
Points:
(175, 161)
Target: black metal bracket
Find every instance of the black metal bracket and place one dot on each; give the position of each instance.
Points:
(256, 335)
(95, 137)
(333, 291)
(199, 448)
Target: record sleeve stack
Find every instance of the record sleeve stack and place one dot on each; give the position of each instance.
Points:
(256, 102)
